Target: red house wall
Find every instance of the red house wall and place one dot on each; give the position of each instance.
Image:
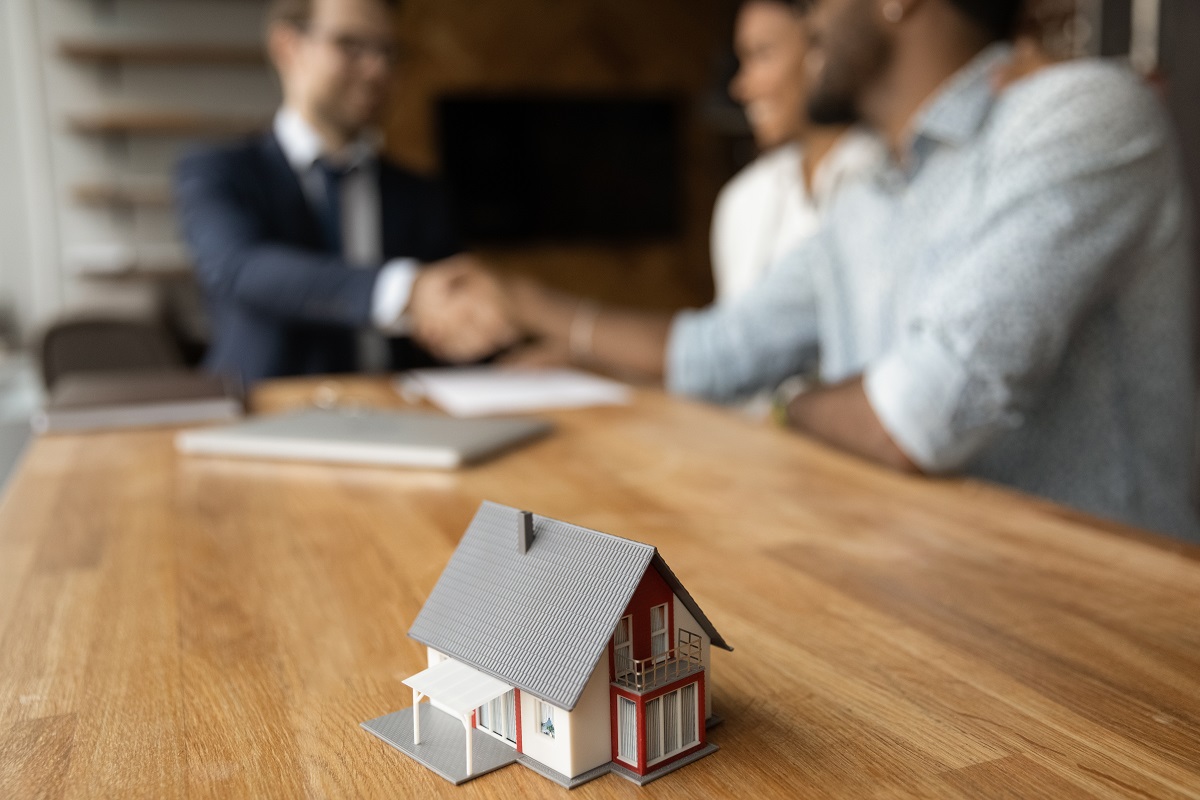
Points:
(651, 591)
(640, 768)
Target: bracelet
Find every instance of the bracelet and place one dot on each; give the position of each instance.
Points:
(779, 412)
(583, 329)
(784, 394)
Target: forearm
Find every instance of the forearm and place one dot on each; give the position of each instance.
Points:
(616, 340)
(842, 416)
(629, 341)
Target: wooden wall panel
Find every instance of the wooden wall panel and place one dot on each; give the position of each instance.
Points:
(587, 46)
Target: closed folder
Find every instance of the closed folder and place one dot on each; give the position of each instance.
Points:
(110, 400)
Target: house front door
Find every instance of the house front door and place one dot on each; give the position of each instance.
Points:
(499, 718)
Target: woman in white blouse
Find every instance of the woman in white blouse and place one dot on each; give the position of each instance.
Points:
(776, 202)
(762, 214)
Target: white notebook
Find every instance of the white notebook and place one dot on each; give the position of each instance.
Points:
(384, 438)
(482, 391)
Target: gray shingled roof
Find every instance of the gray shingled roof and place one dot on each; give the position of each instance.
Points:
(538, 621)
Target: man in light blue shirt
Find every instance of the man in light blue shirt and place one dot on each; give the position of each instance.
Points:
(1008, 297)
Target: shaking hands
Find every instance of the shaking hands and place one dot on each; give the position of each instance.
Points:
(460, 312)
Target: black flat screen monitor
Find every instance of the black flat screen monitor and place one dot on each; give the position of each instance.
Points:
(546, 169)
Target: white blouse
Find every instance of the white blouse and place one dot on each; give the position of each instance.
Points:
(766, 211)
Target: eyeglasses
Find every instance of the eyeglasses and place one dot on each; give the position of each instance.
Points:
(359, 48)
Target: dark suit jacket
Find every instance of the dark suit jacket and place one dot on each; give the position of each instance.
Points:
(278, 302)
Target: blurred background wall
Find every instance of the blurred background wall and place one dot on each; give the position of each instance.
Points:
(609, 47)
(104, 94)
(100, 96)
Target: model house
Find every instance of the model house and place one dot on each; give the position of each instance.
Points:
(572, 651)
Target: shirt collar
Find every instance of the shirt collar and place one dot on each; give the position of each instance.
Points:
(856, 153)
(302, 145)
(956, 113)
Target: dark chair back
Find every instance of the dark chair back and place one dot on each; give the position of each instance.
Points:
(99, 344)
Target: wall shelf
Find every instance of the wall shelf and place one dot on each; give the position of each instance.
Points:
(118, 195)
(144, 273)
(162, 53)
(165, 123)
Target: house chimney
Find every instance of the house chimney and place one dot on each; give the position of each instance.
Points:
(524, 532)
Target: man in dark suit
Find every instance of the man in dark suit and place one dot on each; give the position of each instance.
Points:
(315, 253)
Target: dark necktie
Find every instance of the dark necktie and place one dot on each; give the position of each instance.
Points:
(330, 213)
(372, 347)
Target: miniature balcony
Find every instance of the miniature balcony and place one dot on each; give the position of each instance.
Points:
(649, 673)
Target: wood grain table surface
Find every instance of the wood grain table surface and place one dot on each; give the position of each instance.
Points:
(195, 627)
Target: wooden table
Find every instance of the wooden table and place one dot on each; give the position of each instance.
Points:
(175, 627)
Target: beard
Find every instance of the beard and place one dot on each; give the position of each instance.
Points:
(855, 50)
(351, 110)
(832, 108)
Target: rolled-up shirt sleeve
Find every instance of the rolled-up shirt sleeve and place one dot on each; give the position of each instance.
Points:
(1070, 197)
(730, 350)
(923, 393)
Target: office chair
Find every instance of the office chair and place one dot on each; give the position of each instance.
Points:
(93, 344)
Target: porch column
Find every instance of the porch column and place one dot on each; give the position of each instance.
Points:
(466, 721)
(417, 716)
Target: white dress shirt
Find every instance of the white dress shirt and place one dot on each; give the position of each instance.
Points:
(765, 212)
(361, 211)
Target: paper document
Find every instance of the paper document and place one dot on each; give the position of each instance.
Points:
(482, 391)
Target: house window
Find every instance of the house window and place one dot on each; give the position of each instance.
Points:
(672, 723)
(545, 715)
(626, 730)
(660, 639)
(499, 717)
(623, 648)
(689, 716)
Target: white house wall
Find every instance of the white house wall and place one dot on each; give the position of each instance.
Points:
(591, 744)
(685, 620)
(582, 738)
(554, 753)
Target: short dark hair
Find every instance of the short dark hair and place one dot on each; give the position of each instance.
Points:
(997, 18)
(299, 12)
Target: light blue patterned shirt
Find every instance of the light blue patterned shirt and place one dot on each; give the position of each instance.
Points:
(1017, 297)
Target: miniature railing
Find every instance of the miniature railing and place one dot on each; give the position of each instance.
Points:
(646, 673)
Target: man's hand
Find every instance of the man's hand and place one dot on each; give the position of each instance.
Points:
(459, 310)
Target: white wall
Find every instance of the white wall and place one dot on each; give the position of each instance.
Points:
(14, 244)
(583, 736)
(28, 233)
(591, 743)
(42, 229)
(554, 753)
